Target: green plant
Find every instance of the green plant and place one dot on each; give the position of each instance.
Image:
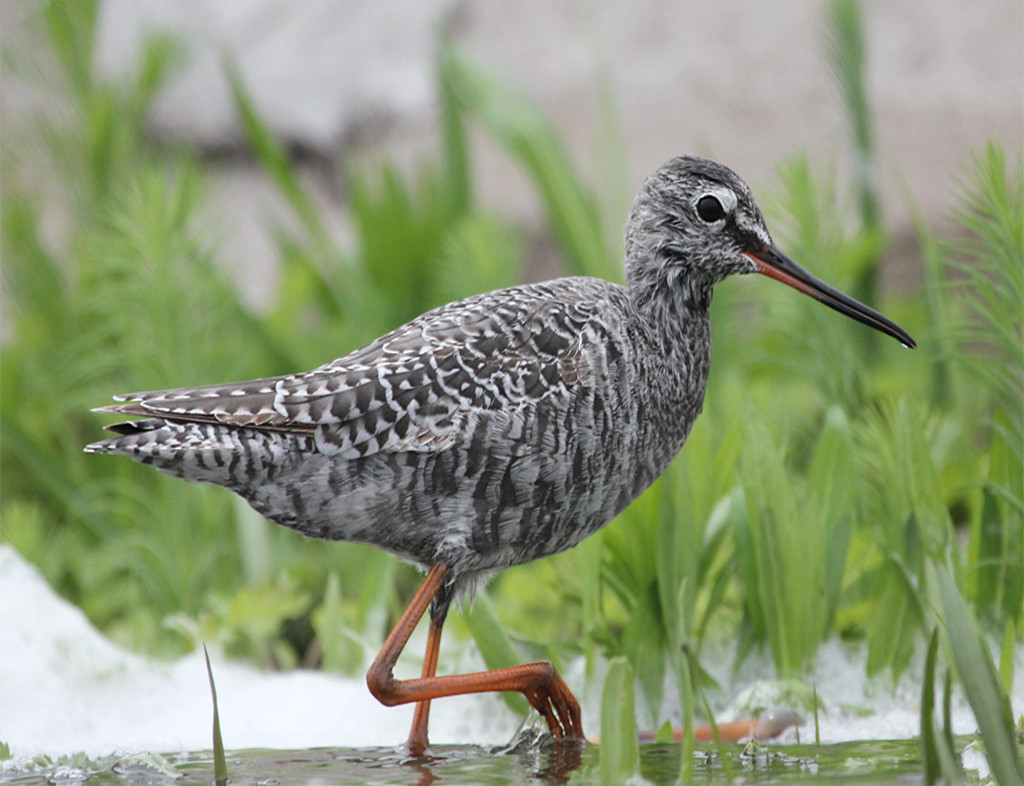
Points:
(517, 124)
(987, 281)
(977, 674)
(127, 294)
(847, 55)
(220, 766)
(619, 752)
(938, 752)
(791, 540)
(911, 525)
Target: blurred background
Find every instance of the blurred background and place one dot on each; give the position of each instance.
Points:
(627, 86)
(196, 191)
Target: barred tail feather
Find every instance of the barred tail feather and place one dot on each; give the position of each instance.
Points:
(200, 452)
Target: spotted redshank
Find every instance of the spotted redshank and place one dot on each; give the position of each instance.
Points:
(492, 431)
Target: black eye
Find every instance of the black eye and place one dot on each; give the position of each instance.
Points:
(710, 209)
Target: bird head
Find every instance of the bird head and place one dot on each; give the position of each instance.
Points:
(695, 222)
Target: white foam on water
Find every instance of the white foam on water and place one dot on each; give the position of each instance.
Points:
(65, 688)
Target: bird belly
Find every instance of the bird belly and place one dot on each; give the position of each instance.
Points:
(437, 507)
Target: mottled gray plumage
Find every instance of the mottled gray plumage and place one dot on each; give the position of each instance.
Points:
(491, 431)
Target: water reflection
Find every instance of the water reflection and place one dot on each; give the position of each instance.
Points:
(528, 758)
(531, 753)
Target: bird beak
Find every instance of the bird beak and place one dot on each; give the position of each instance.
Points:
(773, 263)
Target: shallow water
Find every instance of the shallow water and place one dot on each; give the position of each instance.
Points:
(852, 762)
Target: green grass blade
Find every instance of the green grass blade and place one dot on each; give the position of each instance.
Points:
(220, 765)
(341, 651)
(520, 127)
(71, 27)
(644, 643)
(911, 523)
(723, 753)
(939, 758)
(981, 684)
(456, 147)
(947, 721)
(1006, 655)
(989, 278)
(937, 340)
(832, 490)
(161, 55)
(789, 541)
(897, 623)
(619, 757)
(589, 556)
(687, 678)
(274, 159)
(817, 725)
(996, 544)
(847, 53)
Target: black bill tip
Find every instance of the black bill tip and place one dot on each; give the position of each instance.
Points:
(774, 264)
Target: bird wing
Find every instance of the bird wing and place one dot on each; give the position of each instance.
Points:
(420, 387)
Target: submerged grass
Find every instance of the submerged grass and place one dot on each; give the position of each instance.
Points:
(778, 526)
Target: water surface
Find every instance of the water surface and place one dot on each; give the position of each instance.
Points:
(871, 761)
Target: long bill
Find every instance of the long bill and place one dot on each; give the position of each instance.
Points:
(774, 264)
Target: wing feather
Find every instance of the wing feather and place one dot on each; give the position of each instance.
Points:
(417, 388)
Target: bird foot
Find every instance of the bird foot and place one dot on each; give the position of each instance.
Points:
(559, 708)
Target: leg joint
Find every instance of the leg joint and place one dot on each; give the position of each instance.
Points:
(382, 686)
(546, 672)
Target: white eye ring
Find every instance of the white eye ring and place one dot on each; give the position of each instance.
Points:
(715, 204)
(710, 209)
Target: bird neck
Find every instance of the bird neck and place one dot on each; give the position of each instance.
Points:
(673, 321)
(672, 303)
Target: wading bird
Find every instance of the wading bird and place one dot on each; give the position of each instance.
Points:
(491, 431)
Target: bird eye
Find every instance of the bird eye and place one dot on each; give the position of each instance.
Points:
(710, 209)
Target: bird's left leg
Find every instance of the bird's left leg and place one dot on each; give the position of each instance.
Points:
(380, 679)
(539, 682)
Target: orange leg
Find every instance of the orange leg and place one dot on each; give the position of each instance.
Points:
(418, 734)
(539, 682)
(730, 732)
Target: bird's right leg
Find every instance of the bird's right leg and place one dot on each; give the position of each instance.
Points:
(539, 682)
(418, 733)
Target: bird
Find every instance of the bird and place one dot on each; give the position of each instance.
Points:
(491, 431)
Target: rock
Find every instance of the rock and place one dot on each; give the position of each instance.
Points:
(317, 71)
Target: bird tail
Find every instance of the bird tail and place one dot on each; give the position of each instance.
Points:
(199, 452)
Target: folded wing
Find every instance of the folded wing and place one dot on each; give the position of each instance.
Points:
(420, 387)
